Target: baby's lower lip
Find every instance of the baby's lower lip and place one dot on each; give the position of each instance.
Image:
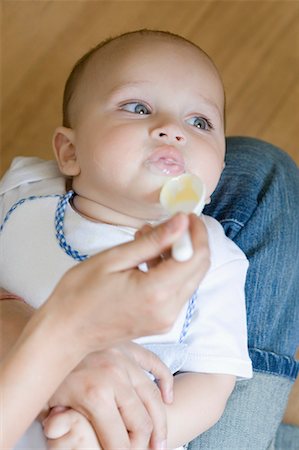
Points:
(165, 166)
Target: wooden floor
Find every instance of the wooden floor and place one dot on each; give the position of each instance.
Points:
(254, 43)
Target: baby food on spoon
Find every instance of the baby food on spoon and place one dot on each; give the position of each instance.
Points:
(185, 193)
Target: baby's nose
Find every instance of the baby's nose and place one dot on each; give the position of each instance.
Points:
(169, 133)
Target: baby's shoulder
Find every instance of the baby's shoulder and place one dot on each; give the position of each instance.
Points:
(26, 177)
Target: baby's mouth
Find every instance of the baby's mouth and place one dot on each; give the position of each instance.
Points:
(166, 160)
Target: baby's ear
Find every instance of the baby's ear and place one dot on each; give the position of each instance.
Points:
(65, 151)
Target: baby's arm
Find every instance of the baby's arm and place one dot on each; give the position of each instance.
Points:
(199, 402)
(69, 429)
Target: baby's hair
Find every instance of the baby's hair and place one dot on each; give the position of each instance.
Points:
(77, 71)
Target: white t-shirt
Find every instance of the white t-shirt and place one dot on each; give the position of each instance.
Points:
(32, 262)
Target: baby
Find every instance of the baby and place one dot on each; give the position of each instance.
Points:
(138, 109)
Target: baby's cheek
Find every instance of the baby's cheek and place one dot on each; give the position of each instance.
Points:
(209, 169)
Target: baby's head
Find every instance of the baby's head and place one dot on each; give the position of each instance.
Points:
(138, 109)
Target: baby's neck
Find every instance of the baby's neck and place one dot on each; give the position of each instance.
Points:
(96, 212)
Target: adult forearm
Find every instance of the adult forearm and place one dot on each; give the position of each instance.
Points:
(14, 315)
(32, 369)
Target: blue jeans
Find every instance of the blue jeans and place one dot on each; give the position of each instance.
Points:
(256, 202)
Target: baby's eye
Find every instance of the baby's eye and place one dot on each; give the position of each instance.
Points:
(200, 123)
(136, 108)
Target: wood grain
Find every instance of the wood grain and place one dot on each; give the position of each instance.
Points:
(255, 44)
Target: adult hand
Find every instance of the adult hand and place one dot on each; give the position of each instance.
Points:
(106, 299)
(112, 389)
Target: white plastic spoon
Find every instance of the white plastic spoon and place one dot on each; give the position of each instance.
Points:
(185, 193)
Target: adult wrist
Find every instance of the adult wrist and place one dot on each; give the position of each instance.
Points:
(50, 324)
(60, 315)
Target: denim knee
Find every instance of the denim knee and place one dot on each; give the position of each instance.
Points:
(251, 417)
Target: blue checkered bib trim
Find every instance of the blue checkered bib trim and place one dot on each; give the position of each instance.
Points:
(20, 202)
(59, 226)
(75, 254)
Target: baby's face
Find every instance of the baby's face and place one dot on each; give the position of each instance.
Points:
(153, 110)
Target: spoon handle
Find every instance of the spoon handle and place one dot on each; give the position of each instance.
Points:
(182, 249)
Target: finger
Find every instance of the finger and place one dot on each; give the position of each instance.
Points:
(109, 426)
(55, 410)
(67, 443)
(152, 400)
(192, 271)
(144, 230)
(200, 262)
(147, 247)
(151, 363)
(58, 424)
(176, 280)
(81, 434)
(105, 418)
(135, 417)
(144, 414)
(200, 239)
